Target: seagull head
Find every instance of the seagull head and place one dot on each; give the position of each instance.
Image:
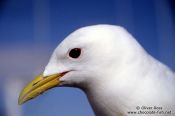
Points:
(82, 56)
(83, 59)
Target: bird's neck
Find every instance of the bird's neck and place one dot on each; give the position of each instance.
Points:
(102, 103)
(110, 97)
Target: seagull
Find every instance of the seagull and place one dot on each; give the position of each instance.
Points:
(118, 76)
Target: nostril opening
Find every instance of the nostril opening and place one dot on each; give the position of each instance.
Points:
(35, 83)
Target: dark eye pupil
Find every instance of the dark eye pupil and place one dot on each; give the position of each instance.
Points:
(75, 53)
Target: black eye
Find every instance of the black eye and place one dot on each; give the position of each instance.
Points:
(75, 53)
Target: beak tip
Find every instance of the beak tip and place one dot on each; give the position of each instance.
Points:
(37, 86)
(20, 102)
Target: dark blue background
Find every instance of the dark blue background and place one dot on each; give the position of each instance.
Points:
(31, 29)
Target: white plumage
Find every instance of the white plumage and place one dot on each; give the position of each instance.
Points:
(114, 71)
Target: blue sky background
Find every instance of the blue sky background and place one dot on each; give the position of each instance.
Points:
(31, 29)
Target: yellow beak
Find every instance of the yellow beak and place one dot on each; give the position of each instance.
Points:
(37, 86)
